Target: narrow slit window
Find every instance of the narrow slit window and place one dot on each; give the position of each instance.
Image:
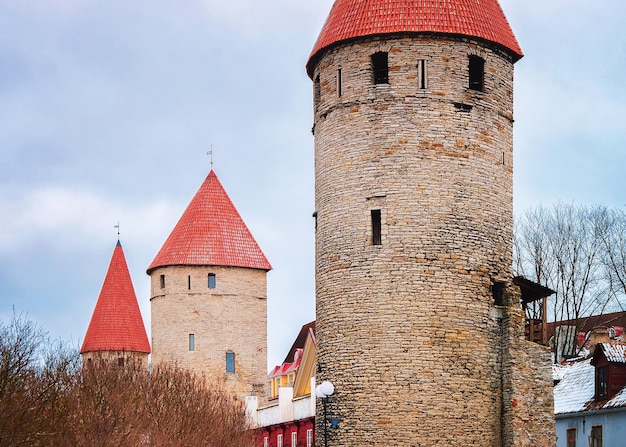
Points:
(421, 74)
(380, 67)
(339, 82)
(230, 362)
(162, 281)
(317, 91)
(192, 342)
(189, 282)
(476, 73)
(211, 280)
(376, 228)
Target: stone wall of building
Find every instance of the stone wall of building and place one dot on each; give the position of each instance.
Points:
(528, 403)
(408, 330)
(232, 317)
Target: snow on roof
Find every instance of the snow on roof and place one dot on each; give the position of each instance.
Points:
(615, 353)
(576, 388)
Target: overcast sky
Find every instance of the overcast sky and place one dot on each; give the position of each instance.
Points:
(108, 108)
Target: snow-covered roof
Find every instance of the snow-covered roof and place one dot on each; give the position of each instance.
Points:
(615, 353)
(575, 389)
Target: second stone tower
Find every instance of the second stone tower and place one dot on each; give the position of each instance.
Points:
(413, 126)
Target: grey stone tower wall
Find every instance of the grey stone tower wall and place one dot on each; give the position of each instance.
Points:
(407, 330)
(232, 317)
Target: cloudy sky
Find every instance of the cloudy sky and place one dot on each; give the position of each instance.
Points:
(108, 109)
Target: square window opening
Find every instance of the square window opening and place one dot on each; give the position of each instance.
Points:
(380, 67)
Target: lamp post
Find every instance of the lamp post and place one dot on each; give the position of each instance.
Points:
(323, 390)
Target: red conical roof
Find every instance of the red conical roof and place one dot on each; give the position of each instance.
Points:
(211, 232)
(349, 19)
(116, 323)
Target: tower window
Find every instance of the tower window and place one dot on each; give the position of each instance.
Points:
(339, 81)
(421, 74)
(189, 282)
(380, 67)
(376, 228)
(162, 281)
(192, 342)
(476, 73)
(230, 362)
(317, 91)
(497, 291)
(211, 280)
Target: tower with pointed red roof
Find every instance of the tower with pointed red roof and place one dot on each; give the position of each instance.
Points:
(419, 327)
(209, 294)
(116, 331)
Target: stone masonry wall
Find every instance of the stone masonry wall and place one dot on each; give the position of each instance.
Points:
(407, 330)
(232, 317)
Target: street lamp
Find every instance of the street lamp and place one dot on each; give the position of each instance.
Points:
(323, 390)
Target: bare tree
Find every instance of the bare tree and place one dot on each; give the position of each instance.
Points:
(613, 241)
(561, 247)
(47, 399)
(35, 379)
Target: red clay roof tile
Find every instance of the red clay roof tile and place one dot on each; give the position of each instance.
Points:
(211, 232)
(116, 323)
(349, 19)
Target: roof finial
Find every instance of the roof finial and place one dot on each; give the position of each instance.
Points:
(118, 230)
(210, 154)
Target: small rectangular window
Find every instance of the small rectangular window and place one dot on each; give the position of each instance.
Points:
(192, 342)
(309, 437)
(211, 280)
(294, 439)
(339, 81)
(602, 383)
(376, 228)
(189, 282)
(571, 437)
(120, 362)
(595, 440)
(421, 74)
(279, 440)
(230, 362)
(266, 441)
(380, 67)
(476, 73)
(162, 281)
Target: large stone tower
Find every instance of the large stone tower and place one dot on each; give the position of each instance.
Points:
(209, 294)
(418, 326)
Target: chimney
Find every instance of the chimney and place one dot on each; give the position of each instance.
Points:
(598, 335)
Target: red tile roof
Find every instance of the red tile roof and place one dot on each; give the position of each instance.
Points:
(211, 232)
(116, 323)
(349, 19)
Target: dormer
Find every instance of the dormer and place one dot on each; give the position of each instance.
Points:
(609, 361)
